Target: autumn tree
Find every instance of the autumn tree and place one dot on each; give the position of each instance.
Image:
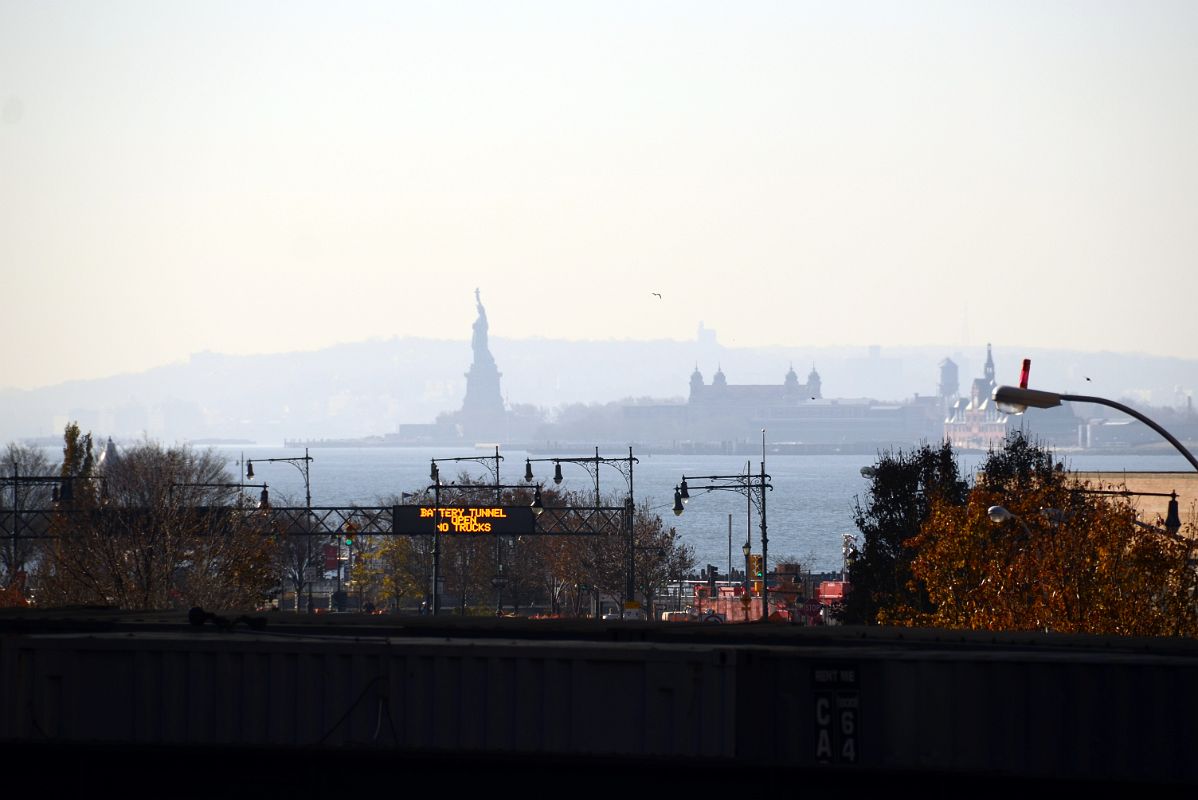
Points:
(396, 568)
(1064, 559)
(469, 562)
(299, 553)
(151, 536)
(904, 487)
(393, 570)
(559, 569)
(559, 564)
(660, 557)
(576, 567)
(78, 461)
(26, 486)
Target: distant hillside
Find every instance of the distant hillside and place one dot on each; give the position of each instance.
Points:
(367, 388)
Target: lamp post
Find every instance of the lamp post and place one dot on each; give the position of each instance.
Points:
(747, 549)
(591, 465)
(434, 475)
(490, 462)
(1000, 515)
(303, 464)
(1172, 516)
(263, 498)
(848, 545)
(62, 491)
(754, 488)
(499, 580)
(1015, 400)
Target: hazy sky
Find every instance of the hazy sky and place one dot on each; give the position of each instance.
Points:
(256, 177)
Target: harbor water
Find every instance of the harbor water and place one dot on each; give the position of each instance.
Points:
(808, 510)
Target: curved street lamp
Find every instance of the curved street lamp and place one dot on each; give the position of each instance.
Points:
(1014, 400)
(754, 488)
(301, 463)
(304, 465)
(999, 515)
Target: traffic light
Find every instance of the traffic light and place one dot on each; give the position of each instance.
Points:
(349, 529)
(757, 572)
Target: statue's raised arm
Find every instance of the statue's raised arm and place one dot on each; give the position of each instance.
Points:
(479, 340)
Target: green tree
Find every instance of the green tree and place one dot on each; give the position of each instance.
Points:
(903, 488)
(78, 467)
(393, 570)
(1020, 464)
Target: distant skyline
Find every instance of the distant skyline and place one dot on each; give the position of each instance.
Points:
(272, 177)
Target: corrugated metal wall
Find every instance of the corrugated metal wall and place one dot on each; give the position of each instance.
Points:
(1006, 712)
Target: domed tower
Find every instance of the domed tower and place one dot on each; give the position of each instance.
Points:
(109, 457)
(791, 382)
(718, 381)
(814, 384)
(696, 384)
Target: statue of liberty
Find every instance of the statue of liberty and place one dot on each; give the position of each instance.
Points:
(482, 353)
(482, 413)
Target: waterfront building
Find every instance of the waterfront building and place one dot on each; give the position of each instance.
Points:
(797, 415)
(976, 423)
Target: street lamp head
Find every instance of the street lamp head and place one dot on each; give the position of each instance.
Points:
(1013, 400)
(264, 498)
(538, 507)
(1056, 516)
(678, 507)
(557, 472)
(1173, 519)
(747, 548)
(998, 514)
(528, 470)
(683, 492)
(249, 469)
